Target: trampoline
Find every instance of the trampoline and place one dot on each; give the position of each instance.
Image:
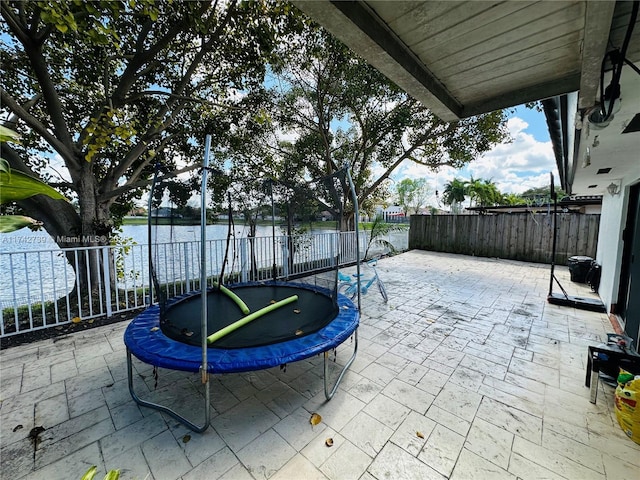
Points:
(290, 337)
(246, 326)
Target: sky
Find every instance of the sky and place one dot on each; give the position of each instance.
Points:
(514, 167)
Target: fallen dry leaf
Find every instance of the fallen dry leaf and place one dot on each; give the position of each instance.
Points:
(272, 302)
(315, 419)
(155, 329)
(419, 435)
(296, 310)
(186, 438)
(329, 442)
(299, 332)
(76, 319)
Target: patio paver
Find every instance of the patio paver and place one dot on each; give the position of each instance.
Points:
(466, 373)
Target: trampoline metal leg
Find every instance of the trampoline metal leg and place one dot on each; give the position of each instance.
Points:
(330, 393)
(165, 409)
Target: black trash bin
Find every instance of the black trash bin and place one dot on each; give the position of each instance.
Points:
(579, 266)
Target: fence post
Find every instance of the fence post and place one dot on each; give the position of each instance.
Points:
(187, 270)
(285, 257)
(335, 249)
(244, 257)
(107, 280)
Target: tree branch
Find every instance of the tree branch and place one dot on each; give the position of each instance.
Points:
(50, 95)
(130, 75)
(136, 173)
(143, 183)
(9, 102)
(204, 49)
(174, 97)
(17, 28)
(146, 93)
(395, 165)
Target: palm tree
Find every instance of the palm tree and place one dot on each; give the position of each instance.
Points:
(454, 194)
(474, 188)
(513, 199)
(484, 193)
(490, 194)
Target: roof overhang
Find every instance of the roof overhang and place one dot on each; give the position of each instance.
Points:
(464, 58)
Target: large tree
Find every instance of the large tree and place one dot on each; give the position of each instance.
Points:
(412, 194)
(337, 110)
(101, 91)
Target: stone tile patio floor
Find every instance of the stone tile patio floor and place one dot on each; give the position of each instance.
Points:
(467, 373)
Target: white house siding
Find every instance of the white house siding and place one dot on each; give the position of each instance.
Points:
(612, 220)
(610, 245)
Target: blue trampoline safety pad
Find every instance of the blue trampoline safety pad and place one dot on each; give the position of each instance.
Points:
(146, 341)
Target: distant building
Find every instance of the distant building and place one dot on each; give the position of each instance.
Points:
(137, 212)
(391, 214)
(164, 212)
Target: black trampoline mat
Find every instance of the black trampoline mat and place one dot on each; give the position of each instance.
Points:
(181, 321)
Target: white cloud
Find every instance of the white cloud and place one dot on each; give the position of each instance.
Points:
(519, 165)
(514, 167)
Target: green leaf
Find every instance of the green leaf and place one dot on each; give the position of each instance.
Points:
(4, 166)
(16, 185)
(8, 135)
(11, 223)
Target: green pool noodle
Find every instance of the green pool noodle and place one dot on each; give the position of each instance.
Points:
(234, 297)
(249, 318)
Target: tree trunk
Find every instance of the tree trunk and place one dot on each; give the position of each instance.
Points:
(70, 229)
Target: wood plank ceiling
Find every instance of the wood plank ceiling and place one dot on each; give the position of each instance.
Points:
(462, 58)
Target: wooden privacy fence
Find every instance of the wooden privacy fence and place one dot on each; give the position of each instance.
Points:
(518, 236)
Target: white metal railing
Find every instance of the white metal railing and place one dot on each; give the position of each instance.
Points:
(48, 288)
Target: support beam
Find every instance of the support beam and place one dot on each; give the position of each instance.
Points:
(594, 46)
(358, 26)
(561, 86)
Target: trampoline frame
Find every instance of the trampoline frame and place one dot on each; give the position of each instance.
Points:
(329, 391)
(204, 368)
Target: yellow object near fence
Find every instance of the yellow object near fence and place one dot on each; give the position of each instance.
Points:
(627, 405)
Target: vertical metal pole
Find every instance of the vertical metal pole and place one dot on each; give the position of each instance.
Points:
(187, 270)
(244, 259)
(555, 233)
(150, 250)
(204, 368)
(356, 219)
(107, 280)
(273, 231)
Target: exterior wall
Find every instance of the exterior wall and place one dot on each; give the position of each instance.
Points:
(612, 223)
(612, 219)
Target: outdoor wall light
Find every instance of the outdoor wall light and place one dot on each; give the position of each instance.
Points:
(613, 189)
